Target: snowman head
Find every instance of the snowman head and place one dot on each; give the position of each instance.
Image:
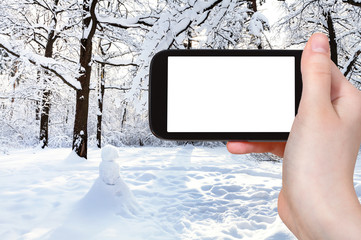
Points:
(109, 153)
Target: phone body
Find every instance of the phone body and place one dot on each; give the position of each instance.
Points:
(246, 95)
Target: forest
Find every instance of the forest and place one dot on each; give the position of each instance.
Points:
(74, 73)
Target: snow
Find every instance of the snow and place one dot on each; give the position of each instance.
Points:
(125, 22)
(257, 24)
(160, 193)
(72, 157)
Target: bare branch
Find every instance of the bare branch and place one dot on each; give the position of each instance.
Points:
(113, 87)
(35, 2)
(351, 63)
(115, 63)
(38, 42)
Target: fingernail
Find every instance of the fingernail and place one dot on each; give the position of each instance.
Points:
(319, 43)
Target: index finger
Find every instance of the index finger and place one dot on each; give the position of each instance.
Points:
(277, 148)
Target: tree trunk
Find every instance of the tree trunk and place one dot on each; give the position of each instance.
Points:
(101, 89)
(254, 5)
(80, 134)
(44, 118)
(46, 93)
(124, 117)
(332, 35)
(37, 110)
(13, 72)
(37, 102)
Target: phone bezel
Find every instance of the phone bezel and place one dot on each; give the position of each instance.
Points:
(158, 93)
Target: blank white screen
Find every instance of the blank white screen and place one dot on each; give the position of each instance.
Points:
(230, 94)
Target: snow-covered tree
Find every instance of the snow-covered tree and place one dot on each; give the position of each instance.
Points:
(340, 20)
(78, 70)
(35, 27)
(60, 41)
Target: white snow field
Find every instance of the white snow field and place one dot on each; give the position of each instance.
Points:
(158, 193)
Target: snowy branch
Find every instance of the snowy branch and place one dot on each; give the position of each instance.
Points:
(10, 97)
(49, 64)
(125, 23)
(117, 88)
(347, 69)
(356, 3)
(113, 87)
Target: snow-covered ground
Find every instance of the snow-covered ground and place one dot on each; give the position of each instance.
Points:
(162, 193)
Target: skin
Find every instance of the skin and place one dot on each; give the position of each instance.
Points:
(318, 199)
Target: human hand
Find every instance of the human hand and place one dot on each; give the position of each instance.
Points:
(318, 200)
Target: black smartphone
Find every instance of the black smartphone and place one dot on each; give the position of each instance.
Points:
(248, 95)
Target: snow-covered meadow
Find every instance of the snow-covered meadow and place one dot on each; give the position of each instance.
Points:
(162, 193)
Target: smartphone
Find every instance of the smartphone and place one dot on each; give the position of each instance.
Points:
(247, 95)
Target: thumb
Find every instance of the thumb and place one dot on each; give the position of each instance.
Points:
(316, 75)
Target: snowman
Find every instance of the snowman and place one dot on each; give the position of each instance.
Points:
(109, 168)
(114, 190)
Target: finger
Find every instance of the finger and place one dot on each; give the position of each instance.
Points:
(316, 74)
(276, 148)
